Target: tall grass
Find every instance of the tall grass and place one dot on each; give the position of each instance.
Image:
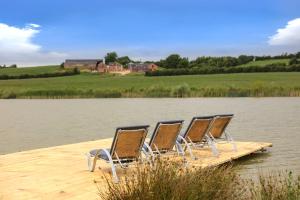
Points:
(279, 186)
(170, 181)
(183, 90)
(157, 91)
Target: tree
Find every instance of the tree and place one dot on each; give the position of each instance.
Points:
(298, 54)
(199, 62)
(111, 57)
(172, 61)
(183, 63)
(160, 63)
(13, 66)
(62, 65)
(243, 59)
(293, 61)
(125, 60)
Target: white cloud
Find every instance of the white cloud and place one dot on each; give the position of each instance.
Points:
(287, 36)
(17, 47)
(15, 39)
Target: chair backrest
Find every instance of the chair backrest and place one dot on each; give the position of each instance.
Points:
(198, 127)
(165, 135)
(128, 142)
(219, 125)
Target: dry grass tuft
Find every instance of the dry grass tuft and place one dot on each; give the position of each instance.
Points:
(167, 180)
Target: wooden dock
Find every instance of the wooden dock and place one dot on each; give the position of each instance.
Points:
(61, 172)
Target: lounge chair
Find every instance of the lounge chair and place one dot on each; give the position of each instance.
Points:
(197, 135)
(218, 130)
(126, 148)
(163, 138)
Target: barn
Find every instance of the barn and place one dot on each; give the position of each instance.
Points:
(84, 64)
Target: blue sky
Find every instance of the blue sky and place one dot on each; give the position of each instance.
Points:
(50, 31)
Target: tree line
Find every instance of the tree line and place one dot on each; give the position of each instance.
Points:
(175, 61)
(10, 66)
(278, 67)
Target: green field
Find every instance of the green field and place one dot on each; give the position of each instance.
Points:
(30, 70)
(265, 62)
(88, 85)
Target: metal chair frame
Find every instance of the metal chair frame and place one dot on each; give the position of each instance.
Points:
(123, 162)
(156, 152)
(189, 144)
(228, 138)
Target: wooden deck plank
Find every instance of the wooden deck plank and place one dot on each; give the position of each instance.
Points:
(61, 173)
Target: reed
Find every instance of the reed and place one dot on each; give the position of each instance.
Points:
(168, 180)
(276, 185)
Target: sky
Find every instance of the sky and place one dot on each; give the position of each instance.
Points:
(42, 32)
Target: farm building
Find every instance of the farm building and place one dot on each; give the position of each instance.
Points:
(93, 65)
(110, 67)
(98, 65)
(114, 67)
(142, 67)
(84, 64)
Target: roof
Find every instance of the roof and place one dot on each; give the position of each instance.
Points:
(83, 60)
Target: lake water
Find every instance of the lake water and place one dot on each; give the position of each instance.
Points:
(31, 124)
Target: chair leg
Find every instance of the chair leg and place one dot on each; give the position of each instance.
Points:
(188, 147)
(91, 161)
(150, 151)
(212, 145)
(112, 165)
(179, 149)
(234, 147)
(231, 141)
(148, 157)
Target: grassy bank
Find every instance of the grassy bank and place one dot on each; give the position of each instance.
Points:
(88, 85)
(172, 181)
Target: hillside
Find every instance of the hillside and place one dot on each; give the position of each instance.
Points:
(30, 70)
(265, 62)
